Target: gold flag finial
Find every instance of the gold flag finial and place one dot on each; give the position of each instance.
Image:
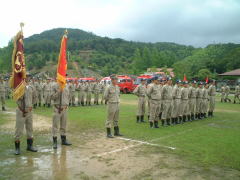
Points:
(66, 32)
(21, 25)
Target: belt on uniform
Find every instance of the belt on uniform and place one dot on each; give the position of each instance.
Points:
(24, 111)
(60, 109)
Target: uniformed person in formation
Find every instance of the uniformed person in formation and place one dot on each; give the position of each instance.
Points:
(237, 94)
(2, 93)
(89, 93)
(227, 92)
(222, 93)
(199, 96)
(60, 108)
(78, 90)
(212, 94)
(204, 108)
(96, 90)
(154, 92)
(111, 95)
(24, 117)
(38, 86)
(72, 90)
(32, 83)
(176, 93)
(184, 102)
(47, 93)
(103, 87)
(192, 100)
(7, 88)
(141, 91)
(167, 97)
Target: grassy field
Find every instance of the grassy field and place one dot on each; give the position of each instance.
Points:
(212, 142)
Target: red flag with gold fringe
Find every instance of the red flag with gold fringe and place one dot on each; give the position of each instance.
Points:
(62, 63)
(17, 80)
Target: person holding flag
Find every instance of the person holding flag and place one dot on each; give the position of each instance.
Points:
(60, 96)
(23, 94)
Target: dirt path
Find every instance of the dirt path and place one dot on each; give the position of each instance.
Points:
(93, 156)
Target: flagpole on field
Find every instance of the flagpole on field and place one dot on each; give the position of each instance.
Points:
(62, 66)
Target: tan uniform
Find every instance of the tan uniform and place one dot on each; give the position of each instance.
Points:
(111, 95)
(154, 92)
(38, 92)
(192, 100)
(204, 107)
(72, 90)
(2, 94)
(141, 91)
(79, 92)
(103, 88)
(47, 93)
(184, 102)
(96, 89)
(212, 94)
(199, 96)
(60, 106)
(24, 114)
(237, 94)
(34, 92)
(176, 101)
(227, 92)
(223, 94)
(89, 89)
(167, 101)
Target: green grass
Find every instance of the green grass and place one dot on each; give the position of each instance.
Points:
(210, 142)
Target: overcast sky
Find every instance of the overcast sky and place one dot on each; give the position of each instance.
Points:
(190, 22)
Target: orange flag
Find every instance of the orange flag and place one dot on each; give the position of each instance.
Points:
(185, 78)
(62, 63)
(17, 80)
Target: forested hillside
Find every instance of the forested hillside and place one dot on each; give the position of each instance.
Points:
(105, 55)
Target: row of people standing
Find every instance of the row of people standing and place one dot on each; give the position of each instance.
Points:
(81, 92)
(174, 104)
(225, 92)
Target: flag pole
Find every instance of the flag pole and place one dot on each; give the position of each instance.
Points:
(61, 91)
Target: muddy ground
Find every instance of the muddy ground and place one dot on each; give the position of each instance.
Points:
(93, 156)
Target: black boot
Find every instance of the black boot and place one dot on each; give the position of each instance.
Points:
(234, 102)
(151, 124)
(192, 117)
(3, 108)
(39, 104)
(17, 147)
(160, 115)
(148, 117)
(162, 122)
(82, 103)
(199, 116)
(211, 114)
(109, 134)
(156, 124)
(176, 121)
(180, 119)
(54, 142)
(34, 106)
(189, 118)
(168, 122)
(138, 119)
(205, 115)
(29, 146)
(44, 105)
(173, 121)
(64, 141)
(184, 118)
(116, 131)
(49, 105)
(142, 118)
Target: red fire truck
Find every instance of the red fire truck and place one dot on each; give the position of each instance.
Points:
(125, 83)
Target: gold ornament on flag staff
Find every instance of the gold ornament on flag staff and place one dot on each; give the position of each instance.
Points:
(17, 80)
